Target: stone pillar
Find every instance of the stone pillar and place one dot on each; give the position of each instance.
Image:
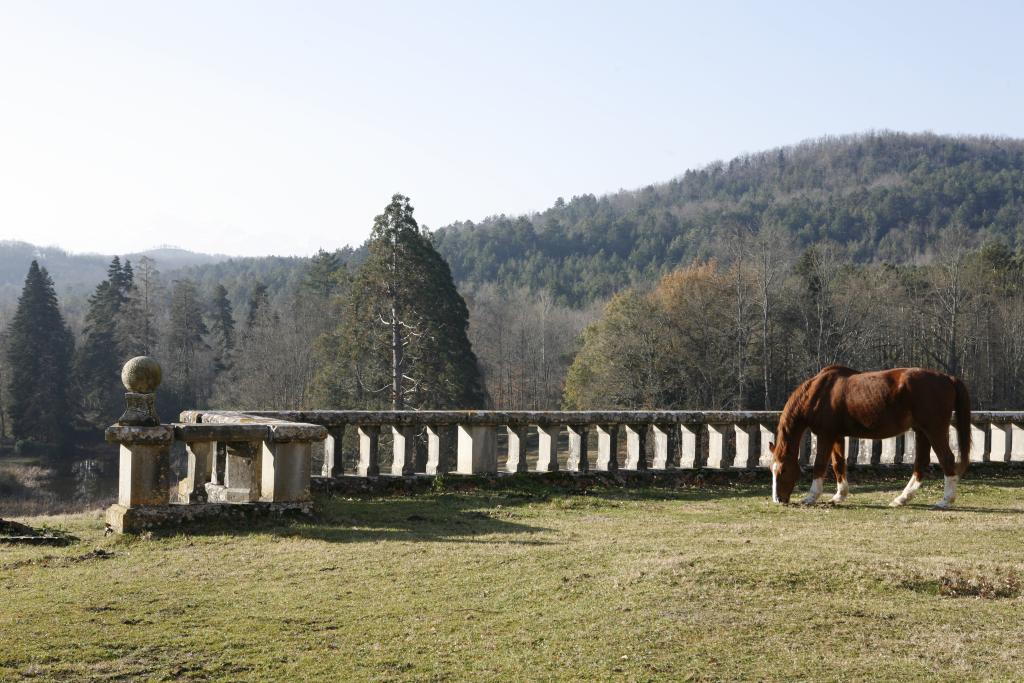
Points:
(1000, 442)
(909, 448)
(477, 450)
(579, 460)
(869, 451)
(808, 448)
(636, 447)
(436, 462)
(516, 460)
(144, 469)
(980, 444)
(692, 443)
(334, 465)
(748, 446)
(892, 450)
(403, 462)
(547, 448)
(1016, 443)
(243, 469)
(851, 447)
(607, 448)
(765, 455)
(201, 455)
(721, 445)
(369, 451)
(666, 446)
(285, 469)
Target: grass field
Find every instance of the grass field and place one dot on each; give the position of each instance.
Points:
(635, 585)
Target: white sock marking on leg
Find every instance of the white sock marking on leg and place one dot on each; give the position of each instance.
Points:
(817, 486)
(909, 491)
(842, 491)
(949, 492)
(775, 485)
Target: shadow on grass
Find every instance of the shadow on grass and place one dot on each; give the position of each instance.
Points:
(492, 513)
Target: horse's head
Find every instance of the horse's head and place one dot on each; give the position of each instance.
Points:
(785, 471)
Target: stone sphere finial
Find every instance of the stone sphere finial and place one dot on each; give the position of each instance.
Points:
(141, 375)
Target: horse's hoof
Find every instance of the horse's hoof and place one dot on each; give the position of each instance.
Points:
(897, 503)
(836, 501)
(942, 506)
(808, 501)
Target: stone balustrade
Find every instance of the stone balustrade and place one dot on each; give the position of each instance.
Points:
(489, 442)
(262, 460)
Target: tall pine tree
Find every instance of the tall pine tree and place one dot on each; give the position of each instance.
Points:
(104, 349)
(39, 352)
(402, 340)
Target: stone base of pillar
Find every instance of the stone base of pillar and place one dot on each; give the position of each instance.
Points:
(125, 520)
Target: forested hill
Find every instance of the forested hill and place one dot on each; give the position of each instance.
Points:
(878, 196)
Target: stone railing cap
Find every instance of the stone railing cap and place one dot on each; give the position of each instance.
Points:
(126, 434)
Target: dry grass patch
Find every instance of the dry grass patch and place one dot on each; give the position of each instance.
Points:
(634, 585)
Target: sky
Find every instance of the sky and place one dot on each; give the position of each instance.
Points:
(254, 128)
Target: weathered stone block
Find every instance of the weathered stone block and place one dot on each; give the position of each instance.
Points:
(477, 450)
(286, 469)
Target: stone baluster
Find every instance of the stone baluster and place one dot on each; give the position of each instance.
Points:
(578, 460)
(892, 450)
(636, 447)
(851, 446)
(607, 448)
(437, 461)
(286, 463)
(765, 455)
(909, 448)
(516, 460)
(477, 450)
(981, 446)
(1016, 443)
(369, 451)
(748, 446)
(243, 469)
(721, 445)
(403, 461)
(999, 440)
(808, 449)
(201, 458)
(666, 446)
(692, 445)
(869, 451)
(547, 448)
(334, 461)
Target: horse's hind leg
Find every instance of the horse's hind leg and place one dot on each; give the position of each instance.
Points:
(825, 445)
(947, 461)
(839, 468)
(922, 454)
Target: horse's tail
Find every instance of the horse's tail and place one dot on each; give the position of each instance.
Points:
(963, 425)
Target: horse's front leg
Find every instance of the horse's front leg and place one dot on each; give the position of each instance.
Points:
(820, 465)
(839, 468)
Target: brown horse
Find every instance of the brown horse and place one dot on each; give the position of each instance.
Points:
(840, 402)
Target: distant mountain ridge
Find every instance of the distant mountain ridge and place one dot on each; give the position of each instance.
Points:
(877, 196)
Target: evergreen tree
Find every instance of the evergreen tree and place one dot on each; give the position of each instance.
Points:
(259, 303)
(189, 375)
(403, 338)
(322, 275)
(137, 325)
(222, 328)
(104, 349)
(39, 352)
